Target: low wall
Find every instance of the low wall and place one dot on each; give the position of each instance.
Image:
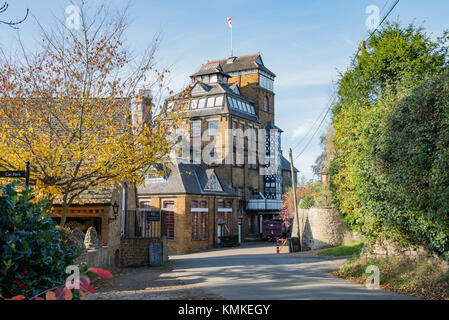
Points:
(324, 228)
(136, 252)
(388, 248)
(106, 257)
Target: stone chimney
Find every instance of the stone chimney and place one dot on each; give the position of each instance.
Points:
(143, 109)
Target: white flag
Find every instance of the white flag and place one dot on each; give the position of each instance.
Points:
(230, 22)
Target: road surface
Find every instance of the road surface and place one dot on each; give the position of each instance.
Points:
(255, 272)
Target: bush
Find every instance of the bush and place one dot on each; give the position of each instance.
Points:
(413, 157)
(307, 202)
(33, 258)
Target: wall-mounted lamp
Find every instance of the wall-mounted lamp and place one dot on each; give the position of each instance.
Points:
(115, 208)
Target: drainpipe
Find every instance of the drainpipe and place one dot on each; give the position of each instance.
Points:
(215, 223)
(124, 191)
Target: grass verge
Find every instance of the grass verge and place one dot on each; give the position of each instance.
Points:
(347, 250)
(423, 278)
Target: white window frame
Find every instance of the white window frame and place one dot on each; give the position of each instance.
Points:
(209, 104)
(219, 101)
(202, 103)
(213, 131)
(196, 124)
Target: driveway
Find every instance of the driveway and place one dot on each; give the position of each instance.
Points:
(255, 272)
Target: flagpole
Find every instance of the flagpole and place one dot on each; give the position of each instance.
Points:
(232, 51)
(230, 26)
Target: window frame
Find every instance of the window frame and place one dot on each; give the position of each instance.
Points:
(210, 132)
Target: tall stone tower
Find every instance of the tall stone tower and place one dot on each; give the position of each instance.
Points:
(255, 82)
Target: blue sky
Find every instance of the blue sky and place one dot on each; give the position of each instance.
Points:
(304, 42)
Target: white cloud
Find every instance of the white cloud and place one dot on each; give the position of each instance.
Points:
(302, 129)
(306, 77)
(299, 102)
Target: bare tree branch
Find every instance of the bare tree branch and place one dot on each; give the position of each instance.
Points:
(11, 23)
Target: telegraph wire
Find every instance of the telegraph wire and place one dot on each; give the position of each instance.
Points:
(332, 99)
(329, 108)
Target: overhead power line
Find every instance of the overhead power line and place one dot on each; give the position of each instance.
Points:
(334, 95)
(329, 108)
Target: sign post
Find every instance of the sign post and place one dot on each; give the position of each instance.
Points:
(27, 178)
(18, 175)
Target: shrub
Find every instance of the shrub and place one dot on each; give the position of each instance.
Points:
(307, 202)
(33, 258)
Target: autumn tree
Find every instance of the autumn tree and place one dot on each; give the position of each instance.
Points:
(68, 108)
(322, 162)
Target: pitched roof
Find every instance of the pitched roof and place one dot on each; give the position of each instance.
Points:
(271, 126)
(210, 68)
(91, 197)
(242, 63)
(285, 165)
(185, 178)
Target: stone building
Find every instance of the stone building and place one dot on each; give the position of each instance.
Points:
(94, 208)
(227, 98)
(199, 208)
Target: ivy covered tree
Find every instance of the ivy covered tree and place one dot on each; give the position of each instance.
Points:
(375, 165)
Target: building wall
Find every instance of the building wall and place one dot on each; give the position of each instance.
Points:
(249, 87)
(245, 180)
(136, 252)
(183, 242)
(287, 180)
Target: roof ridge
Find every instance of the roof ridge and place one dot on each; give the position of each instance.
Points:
(224, 59)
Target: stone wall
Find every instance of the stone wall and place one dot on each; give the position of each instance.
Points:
(106, 257)
(386, 248)
(323, 228)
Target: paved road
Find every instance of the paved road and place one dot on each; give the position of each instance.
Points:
(255, 272)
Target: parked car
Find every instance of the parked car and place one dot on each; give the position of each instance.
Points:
(272, 229)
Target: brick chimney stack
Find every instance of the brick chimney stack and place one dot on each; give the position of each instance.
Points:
(143, 110)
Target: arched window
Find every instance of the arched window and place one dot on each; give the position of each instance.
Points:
(266, 104)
